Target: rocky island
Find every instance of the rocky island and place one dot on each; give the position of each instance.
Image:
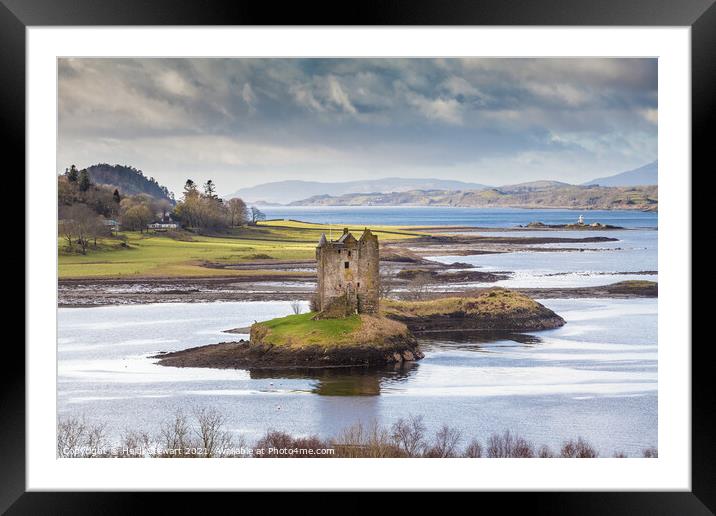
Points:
(495, 309)
(351, 326)
(579, 225)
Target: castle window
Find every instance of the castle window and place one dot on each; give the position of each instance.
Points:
(349, 254)
(359, 284)
(346, 265)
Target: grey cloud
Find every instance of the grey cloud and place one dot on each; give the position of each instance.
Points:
(310, 117)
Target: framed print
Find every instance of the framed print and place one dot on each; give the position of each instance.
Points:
(428, 251)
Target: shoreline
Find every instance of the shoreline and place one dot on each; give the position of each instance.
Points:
(96, 298)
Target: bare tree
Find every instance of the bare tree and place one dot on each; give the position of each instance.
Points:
(545, 452)
(418, 286)
(385, 286)
(650, 453)
(97, 228)
(70, 435)
(77, 438)
(445, 443)
(78, 221)
(163, 207)
(213, 439)
(408, 434)
(509, 445)
(175, 435)
(66, 228)
(579, 449)
(238, 211)
(136, 443)
(474, 449)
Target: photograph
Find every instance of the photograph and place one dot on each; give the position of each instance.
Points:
(357, 257)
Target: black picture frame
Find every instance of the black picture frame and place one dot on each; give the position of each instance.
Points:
(700, 15)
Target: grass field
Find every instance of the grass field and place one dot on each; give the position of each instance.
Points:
(496, 301)
(301, 331)
(155, 255)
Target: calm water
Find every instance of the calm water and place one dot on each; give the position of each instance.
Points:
(596, 377)
(592, 264)
(430, 215)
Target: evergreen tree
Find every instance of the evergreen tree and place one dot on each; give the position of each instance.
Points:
(209, 189)
(189, 188)
(72, 174)
(116, 197)
(84, 180)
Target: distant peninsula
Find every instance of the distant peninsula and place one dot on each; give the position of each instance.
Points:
(538, 194)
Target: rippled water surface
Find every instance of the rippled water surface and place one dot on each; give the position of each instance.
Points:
(448, 216)
(596, 377)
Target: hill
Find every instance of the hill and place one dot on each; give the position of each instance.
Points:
(646, 175)
(543, 195)
(128, 180)
(283, 192)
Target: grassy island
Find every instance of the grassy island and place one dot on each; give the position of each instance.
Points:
(302, 341)
(493, 309)
(303, 331)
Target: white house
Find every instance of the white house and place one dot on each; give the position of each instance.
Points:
(162, 226)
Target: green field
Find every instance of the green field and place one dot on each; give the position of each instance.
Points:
(284, 331)
(184, 254)
(302, 331)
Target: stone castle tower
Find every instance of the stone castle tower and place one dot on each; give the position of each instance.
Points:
(348, 274)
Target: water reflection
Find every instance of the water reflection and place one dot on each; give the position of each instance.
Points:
(474, 337)
(372, 381)
(344, 381)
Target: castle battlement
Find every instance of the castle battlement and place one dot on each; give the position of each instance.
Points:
(348, 274)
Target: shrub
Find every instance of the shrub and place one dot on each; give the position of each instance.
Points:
(545, 452)
(445, 443)
(276, 444)
(375, 441)
(77, 438)
(579, 449)
(508, 445)
(650, 453)
(473, 450)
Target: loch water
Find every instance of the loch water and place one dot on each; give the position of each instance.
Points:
(596, 377)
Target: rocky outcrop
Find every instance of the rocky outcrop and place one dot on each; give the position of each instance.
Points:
(244, 355)
(495, 309)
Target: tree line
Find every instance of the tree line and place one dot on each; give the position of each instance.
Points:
(204, 210)
(86, 210)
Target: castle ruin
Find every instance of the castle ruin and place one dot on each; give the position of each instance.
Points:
(348, 274)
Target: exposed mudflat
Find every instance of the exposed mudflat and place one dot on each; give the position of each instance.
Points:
(401, 263)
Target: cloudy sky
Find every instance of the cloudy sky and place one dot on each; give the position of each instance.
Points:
(243, 122)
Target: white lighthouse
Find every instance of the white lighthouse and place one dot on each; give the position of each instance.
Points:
(581, 220)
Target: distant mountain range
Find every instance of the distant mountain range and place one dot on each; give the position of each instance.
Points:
(404, 190)
(128, 180)
(284, 192)
(646, 175)
(542, 194)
